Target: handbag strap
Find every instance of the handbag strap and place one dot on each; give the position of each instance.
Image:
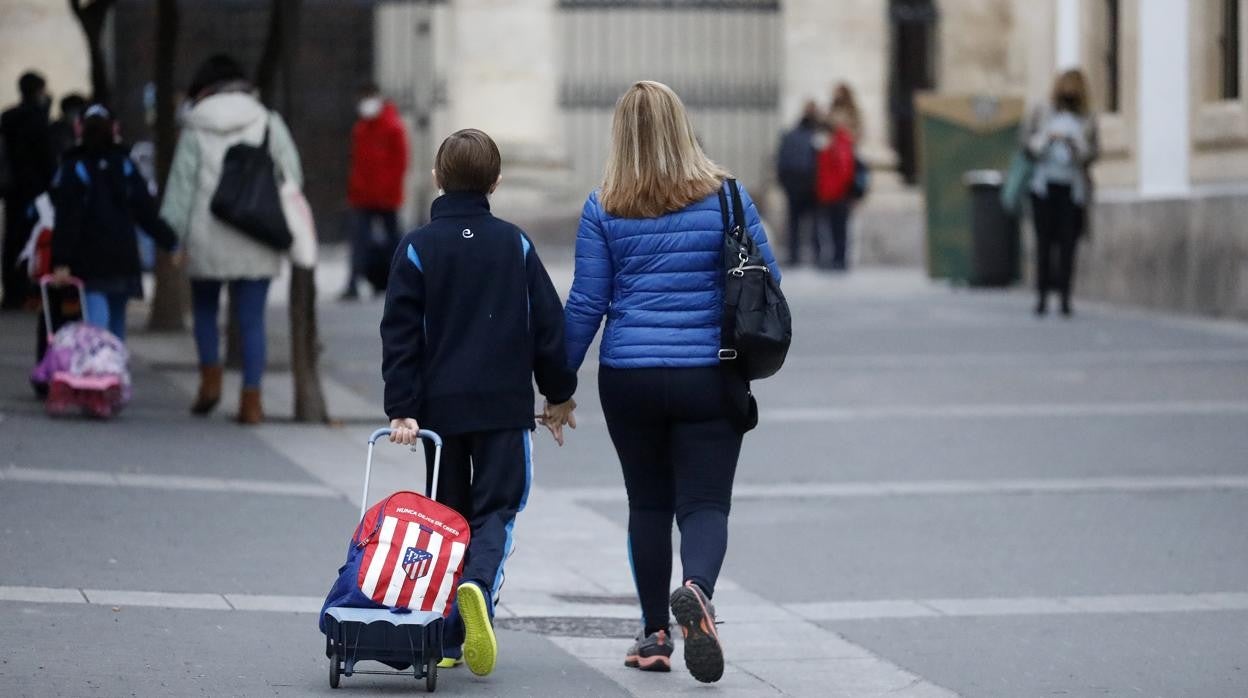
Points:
(738, 209)
(728, 314)
(737, 232)
(279, 172)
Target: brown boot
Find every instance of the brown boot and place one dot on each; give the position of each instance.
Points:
(249, 410)
(209, 390)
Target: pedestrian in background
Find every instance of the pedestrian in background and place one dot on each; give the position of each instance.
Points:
(64, 131)
(224, 111)
(379, 155)
(795, 168)
(28, 162)
(648, 258)
(100, 197)
(1061, 138)
(845, 130)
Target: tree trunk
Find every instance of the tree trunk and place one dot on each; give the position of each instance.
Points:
(92, 18)
(305, 343)
(305, 348)
(170, 301)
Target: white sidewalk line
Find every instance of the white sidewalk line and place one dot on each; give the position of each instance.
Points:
(917, 488)
(166, 482)
(824, 611)
(158, 599)
(806, 414)
(1032, 360)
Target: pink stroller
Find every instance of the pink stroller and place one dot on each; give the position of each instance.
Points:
(84, 369)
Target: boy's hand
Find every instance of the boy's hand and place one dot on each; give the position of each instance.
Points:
(404, 431)
(554, 417)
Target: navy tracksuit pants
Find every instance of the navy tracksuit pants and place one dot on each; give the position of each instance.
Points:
(678, 450)
(485, 476)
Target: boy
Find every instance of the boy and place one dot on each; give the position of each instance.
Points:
(471, 317)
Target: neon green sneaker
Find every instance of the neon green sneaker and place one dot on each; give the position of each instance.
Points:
(480, 645)
(450, 662)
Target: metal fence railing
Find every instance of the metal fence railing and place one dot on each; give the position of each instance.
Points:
(723, 57)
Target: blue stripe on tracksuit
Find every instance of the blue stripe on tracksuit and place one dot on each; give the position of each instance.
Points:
(510, 545)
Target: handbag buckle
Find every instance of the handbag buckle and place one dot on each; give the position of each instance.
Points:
(727, 354)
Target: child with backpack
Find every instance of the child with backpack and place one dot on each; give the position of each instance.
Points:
(471, 318)
(100, 197)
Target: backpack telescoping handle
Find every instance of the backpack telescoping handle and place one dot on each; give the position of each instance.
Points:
(48, 280)
(425, 434)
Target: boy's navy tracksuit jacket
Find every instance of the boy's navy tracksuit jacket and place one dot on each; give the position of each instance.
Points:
(471, 318)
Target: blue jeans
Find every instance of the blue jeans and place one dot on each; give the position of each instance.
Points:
(249, 297)
(362, 240)
(108, 310)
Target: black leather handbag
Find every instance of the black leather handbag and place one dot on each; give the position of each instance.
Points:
(247, 195)
(756, 327)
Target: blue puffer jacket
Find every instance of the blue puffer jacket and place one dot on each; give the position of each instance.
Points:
(657, 280)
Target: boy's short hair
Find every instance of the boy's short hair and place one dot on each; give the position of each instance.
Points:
(468, 161)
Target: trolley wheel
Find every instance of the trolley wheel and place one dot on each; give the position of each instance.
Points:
(431, 676)
(334, 670)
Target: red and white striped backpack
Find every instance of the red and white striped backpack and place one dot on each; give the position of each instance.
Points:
(407, 553)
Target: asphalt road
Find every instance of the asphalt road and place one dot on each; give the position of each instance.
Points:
(984, 502)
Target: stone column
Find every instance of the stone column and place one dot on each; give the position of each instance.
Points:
(1163, 96)
(1066, 34)
(27, 29)
(824, 45)
(502, 76)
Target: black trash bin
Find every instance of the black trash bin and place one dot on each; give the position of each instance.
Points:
(994, 232)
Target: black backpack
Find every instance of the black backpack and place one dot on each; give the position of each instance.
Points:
(247, 196)
(757, 327)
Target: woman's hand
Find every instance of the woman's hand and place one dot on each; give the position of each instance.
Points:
(554, 417)
(404, 431)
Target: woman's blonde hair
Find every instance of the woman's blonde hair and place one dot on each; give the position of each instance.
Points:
(656, 165)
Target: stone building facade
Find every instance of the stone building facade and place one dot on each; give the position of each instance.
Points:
(541, 75)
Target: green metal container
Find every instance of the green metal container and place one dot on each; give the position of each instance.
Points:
(958, 134)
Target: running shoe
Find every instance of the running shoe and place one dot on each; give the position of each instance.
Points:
(651, 652)
(480, 645)
(704, 657)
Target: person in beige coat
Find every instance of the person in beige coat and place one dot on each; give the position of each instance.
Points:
(224, 111)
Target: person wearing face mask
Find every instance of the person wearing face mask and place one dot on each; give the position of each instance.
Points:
(379, 158)
(29, 161)
(1061, 138)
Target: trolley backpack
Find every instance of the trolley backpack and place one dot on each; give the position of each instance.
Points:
(407, 553)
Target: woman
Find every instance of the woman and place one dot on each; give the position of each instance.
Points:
(1061, 138)
(845, 130)
(224, 112)
(648, 258)
(100, 197)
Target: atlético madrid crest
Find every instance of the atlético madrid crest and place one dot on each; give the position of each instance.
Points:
(417, 562)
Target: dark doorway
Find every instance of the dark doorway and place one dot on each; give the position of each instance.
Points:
(912, 61)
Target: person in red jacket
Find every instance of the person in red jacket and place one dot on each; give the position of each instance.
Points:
(375, 187)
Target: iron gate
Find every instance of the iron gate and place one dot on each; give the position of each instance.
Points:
(407, 70)
(723, 57)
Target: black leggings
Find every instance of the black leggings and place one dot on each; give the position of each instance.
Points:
(1059, 221)
(678, 451)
